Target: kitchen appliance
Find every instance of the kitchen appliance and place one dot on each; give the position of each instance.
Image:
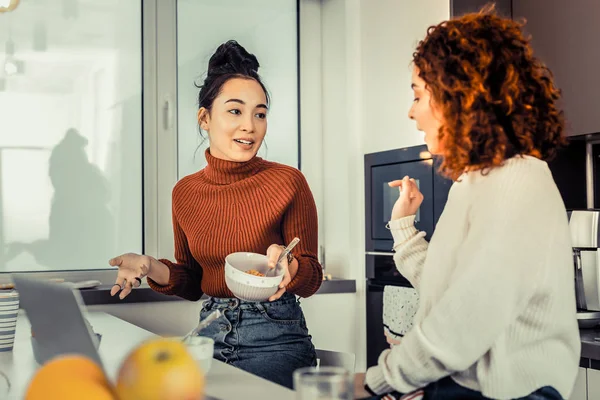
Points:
(575, 170)
(585, 238)
(381, 168)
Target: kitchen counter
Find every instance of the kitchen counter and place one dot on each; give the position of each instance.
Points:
(143, 294)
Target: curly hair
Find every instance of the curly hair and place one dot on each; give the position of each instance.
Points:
(496, 98)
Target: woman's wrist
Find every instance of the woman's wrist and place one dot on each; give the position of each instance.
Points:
(158, 271)
(402, 223)
(293, 267)
(401, 216)
(368, 390)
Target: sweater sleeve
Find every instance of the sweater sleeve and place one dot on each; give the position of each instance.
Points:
(185, 275)
(411, 248)
(300, 220)
(497, 268)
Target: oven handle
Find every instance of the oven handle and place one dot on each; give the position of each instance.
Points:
(380, 253)
(372, 286)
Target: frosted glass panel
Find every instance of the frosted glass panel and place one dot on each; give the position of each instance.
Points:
(266, 28)
(70, 134)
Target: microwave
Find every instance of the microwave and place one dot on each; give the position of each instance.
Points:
(383, 167)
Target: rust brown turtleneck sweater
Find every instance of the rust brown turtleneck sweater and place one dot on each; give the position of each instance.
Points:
(229, 207)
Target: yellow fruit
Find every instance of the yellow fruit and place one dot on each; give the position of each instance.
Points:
(69, 378)
(160, 369)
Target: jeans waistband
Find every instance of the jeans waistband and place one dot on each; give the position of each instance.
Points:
(232, 303)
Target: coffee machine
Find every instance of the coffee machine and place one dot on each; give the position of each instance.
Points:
(585, 237)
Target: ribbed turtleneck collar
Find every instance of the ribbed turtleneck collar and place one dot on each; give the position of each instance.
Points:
(224, 172)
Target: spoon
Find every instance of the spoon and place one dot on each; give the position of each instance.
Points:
(283, 254)
(203, 324)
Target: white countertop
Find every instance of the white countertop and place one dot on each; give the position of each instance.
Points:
(223, 382)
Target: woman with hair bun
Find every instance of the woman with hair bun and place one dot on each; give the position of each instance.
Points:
(239, 202)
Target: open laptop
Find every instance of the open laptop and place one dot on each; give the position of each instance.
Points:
(55, 313)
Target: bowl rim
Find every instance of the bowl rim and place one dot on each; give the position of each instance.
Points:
(258, 282)
(254, 278)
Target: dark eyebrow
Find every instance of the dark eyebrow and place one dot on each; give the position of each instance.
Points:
(242, 102)
(414, 86)
(235, 101)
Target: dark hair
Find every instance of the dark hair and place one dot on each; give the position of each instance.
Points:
(497, 99)
(229, 61)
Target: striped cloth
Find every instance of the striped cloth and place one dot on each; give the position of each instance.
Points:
(9, 310)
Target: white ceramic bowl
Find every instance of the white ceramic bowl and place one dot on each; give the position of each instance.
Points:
(250, 287)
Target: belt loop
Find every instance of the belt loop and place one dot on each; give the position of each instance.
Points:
(233, 304)
(208, 304)
(260, 307)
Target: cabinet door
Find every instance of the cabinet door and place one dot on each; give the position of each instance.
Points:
(593, 389)
(565, 36)
(580, 388)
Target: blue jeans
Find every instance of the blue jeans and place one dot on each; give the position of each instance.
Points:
(268, 339)
(448, 389)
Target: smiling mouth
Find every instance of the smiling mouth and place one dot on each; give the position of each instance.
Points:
(242, 141)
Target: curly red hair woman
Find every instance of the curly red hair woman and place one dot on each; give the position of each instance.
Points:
(496, 99)
(497, 312)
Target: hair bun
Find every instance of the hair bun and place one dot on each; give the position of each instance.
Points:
(232, 58)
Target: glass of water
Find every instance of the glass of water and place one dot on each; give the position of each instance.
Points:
(320, 383)
(201, 349)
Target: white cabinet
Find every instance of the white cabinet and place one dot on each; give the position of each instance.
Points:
(580, 388)
(593, 384)
(335, 323)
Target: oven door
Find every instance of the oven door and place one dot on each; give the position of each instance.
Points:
(380, 267)
(381, 272)
(384, 197)
(376, 341)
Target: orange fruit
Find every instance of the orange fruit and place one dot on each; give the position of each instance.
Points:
(68, 378)
(160, 369)
(71, 389)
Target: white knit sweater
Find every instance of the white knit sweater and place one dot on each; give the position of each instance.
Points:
(497, 304)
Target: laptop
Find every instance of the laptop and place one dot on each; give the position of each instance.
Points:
(55, 313)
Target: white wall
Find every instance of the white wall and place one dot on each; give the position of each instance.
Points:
(390, 32)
